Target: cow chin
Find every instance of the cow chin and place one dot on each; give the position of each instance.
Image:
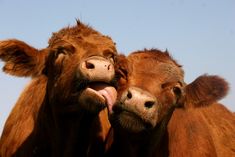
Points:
(90, 100)
(130, 121)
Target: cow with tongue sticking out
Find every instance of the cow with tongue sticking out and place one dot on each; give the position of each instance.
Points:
(61, 110)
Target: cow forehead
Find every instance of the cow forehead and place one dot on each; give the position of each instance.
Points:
(156, 69)
(151, 74)
(79, 31)
(102, 43)
(96, 45)
(83, 37)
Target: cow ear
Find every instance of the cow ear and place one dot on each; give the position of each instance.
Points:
(205, 90)
(21, 59)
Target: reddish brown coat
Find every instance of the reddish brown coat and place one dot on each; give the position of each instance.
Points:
(56, 115)
(200, 127)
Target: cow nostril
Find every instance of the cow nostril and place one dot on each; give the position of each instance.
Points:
(129, 95)
(109, 66)
(149, 104)
(89, 65)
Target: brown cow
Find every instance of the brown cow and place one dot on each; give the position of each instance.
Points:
(72, 81)
(150, 89)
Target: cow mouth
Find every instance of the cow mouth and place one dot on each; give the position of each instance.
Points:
(126, 119)
(103, 92)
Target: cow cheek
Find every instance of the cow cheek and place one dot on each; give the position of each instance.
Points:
(130, 123)
(168, 101)
(154, 117)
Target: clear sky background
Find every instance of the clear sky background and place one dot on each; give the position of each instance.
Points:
(200, 34)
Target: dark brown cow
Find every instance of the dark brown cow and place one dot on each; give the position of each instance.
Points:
(150, 89)
(58, 113)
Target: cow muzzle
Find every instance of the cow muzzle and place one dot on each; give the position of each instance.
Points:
(97, 69)
(137, 110)
(98, 91)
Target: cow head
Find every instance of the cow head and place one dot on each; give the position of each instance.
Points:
(78, 64)
(152, 85)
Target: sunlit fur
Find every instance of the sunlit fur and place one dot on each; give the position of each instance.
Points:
(199, 126)
(162, 74)
(35, 128)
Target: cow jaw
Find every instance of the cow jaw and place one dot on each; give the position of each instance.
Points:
(125, 119)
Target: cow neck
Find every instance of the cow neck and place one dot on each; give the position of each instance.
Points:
(128, 143)
(67, 134)
(75, 133)
(157, 141)
(144, 144)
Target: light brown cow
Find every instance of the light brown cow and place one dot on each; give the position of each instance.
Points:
(61, 110)
(150, 89)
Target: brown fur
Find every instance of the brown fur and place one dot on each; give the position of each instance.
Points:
(201, 127)
(204, 131)
(21, 121)
(205, 90)
(21, 59)
(40, 124)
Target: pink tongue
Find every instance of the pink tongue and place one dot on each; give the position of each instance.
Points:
(108, 92)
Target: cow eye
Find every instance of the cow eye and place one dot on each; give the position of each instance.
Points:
(62, 53)
(59, 54)
(177, 90)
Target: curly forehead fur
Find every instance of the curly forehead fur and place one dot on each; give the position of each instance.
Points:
(155, 55)
(77, 32)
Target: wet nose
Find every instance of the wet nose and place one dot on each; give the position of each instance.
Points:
(97, 69)
(139, 98)
(97, 64)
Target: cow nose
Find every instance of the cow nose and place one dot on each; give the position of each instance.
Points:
(138, 98)
(97, 65)
(97, 68)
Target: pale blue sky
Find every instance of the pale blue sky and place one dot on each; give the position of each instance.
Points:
(200, 34)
